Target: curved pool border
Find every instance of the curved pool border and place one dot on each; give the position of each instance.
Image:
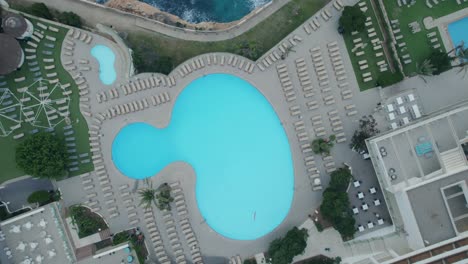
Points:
(267, 84)
(174, 101)
(101, 62)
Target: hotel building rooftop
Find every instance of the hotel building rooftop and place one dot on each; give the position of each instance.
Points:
(423, 169)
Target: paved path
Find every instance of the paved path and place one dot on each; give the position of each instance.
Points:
(93, 14)
(268, 83)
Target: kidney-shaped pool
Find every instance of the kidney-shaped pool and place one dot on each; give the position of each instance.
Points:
(230, 134)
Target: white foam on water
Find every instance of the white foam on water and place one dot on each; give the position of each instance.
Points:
(193, 16)
(258, 3)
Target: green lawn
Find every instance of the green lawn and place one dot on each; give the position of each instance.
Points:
(418, 45)
(369, 52)
(261, 38)
(8, 144)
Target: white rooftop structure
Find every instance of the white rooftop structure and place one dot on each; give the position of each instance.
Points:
(423, 170)
(37, 236)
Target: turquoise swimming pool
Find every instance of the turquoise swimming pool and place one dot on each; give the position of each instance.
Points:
(458, 31)
(106, 58)
(229, 133)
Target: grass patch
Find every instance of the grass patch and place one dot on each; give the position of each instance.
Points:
(369, 52)
(136, 242)
(87, 222)
(262, 38)
(417, 44)
(8, 144)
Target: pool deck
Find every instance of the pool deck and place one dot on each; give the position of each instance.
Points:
(442, 24)
(214, 247)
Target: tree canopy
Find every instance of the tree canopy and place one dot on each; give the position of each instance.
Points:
(163, 197)
(283, 250)
(367, 129)
(352, 19)
(41, 10)
(42, 155)
(41, 197)
(323, 146)
(440, 61)
(323, 260)
(69, 18)
(335, 205)
(340, 179)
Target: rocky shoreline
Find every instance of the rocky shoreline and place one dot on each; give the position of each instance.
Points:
(145, 10)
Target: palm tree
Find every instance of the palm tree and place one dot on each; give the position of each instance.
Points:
(287, 51)
(462, 56)
(147, 196)
(425, 69)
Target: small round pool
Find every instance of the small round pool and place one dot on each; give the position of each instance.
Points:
(230, 134)
(106, 58)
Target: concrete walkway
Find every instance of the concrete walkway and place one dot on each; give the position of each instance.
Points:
(94, 14)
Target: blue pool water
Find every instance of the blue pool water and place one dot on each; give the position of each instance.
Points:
(106, 58)
(458, 31)
(229, 133)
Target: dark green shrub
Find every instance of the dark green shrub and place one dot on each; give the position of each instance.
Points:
(41, 10)
(69, 18)
(41, 197)
(42, 155)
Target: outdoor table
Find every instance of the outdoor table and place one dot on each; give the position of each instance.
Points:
(394, 125)
(390, 107)
(380, 221)
(405, 120)
(391, 116)
(376, 202)
(365, 207)
(402, 110)
(372, 190)
(355, 210)
(370, 225)
(360, 195)
(361, 228)
(399, 100)
(356, 184)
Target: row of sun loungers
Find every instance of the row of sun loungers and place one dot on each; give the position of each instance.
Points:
(155, 237)
(313, 173)
(235, 260)
(405, 57)
(174, 238)
(102, 176)
(313, 24)
(319, 66)
(80, 35)
(337, 62)
(337, 125)
(190, 238)
(110, 94)
(286, 83)
(91, 196)
(275, 55)
(148, 83)
(304, 78)
(137, 105)
(329, 164)
(215, 59)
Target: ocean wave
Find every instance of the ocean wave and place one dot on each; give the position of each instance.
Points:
(196, 11)
(258, 3)
(193, 16)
